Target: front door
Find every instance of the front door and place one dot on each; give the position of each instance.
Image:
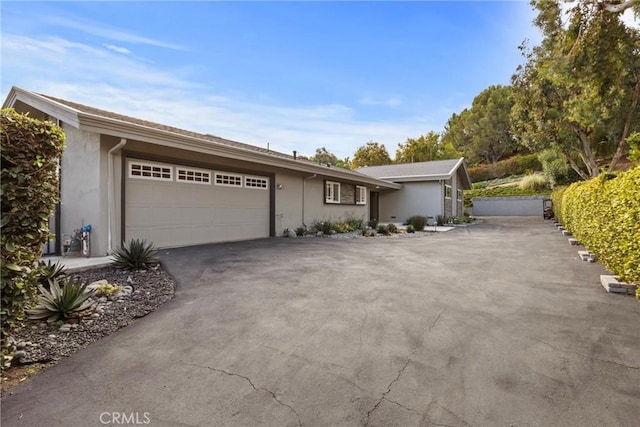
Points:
(374, 208)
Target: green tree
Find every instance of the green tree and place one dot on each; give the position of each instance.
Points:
(371, 154)
(579, 89)
(425, 148)
(483, 132)
(324, 156)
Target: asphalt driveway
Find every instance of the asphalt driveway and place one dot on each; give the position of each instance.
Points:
(497, 324)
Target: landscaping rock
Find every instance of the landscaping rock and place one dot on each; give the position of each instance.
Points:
(566, 233)
(574, 242)
(612, 284)
(587, 256)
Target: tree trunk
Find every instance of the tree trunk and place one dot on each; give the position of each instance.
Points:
(623, 147)
(573, 164)
(585, 152)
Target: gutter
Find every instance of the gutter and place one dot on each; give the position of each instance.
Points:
(110, 190)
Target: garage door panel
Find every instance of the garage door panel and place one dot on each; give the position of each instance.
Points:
(170, 213)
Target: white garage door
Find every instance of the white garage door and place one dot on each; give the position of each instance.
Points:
(172, 205)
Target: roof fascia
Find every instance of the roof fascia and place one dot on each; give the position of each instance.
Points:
(52, 108)
(124, 129)
(412, 178)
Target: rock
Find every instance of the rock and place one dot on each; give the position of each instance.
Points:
(19, 355)
(64, 328)
(566, 233)
(52, 336)
(95, 315)
(574, 242)
(21, 345)
(95, 285)
(102, 299)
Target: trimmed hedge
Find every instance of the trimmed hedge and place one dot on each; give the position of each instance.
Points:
(30, 149)
(512, 190)
(604, 215)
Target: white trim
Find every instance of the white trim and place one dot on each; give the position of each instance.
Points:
(361, 191)
(256, 180)
(198, 176)
(332, 192)
(152, 170)
(447, 187)
(228, 179)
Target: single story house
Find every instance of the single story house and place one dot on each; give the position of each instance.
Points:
(131, 178)
(428, 188)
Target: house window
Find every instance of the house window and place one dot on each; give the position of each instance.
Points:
(447, 191)
(459, 195)
(332, 192)
(197, 176)
(256, 182)
(143, 170)
(361, 195)
(228, 179)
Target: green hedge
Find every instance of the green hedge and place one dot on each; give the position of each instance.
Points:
(512, 190)
(604, 215)
(30, 149)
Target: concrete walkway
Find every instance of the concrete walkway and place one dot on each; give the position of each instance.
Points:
(496, 324)
(79, 263)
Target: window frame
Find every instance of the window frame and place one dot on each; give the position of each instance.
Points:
(460, 195)
(202, 172)
(256, 178)
(240, 183)
(163, 170)
(447, 191)
(334, 192)
(361, 190)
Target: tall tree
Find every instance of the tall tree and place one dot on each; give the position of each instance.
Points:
(324, 156)
(425, 148)
(483, 132)
(371, 154)
(580, 87)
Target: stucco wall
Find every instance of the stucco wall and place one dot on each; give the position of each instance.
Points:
(82, 201)
(508, 206)
(415, 198)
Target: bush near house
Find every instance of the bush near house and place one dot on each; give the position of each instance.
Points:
(500, 192)
(604, 215)
(30, 149)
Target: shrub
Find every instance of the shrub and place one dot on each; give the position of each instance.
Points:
(516, 165)
(107, 289)
(29, 186)
(300, 231)
(418, 222)
(136, 255)
(50, 271)
(392, 228)
(383, 229)
(604, 215)
(61, 302)
(341, 227)
(410, 229)
(372, 223)
(469, 195)
(441, 220)
(534, 182)
(355, 223)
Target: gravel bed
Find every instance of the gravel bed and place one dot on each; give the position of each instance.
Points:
(43, 342)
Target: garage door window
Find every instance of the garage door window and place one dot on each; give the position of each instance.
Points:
(196, 176)
(228, 179)
(150, 171)
(256, 182)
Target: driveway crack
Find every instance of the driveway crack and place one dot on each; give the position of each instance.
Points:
(259, 389)
(400, 372)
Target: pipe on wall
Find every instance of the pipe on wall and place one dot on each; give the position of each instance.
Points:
(110, 191)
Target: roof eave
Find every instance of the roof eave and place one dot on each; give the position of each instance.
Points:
(147, 134)
(55, 109)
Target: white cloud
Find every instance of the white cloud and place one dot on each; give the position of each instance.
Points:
(104, 78)
(393, 101)
(118, 49)
(99, 30)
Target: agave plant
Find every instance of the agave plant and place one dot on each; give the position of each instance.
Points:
(51, 271)
(135, 255)
(61, 302)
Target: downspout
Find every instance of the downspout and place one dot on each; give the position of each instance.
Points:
(110, 190)
(304, 180)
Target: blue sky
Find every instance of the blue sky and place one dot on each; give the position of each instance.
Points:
(296, 75)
